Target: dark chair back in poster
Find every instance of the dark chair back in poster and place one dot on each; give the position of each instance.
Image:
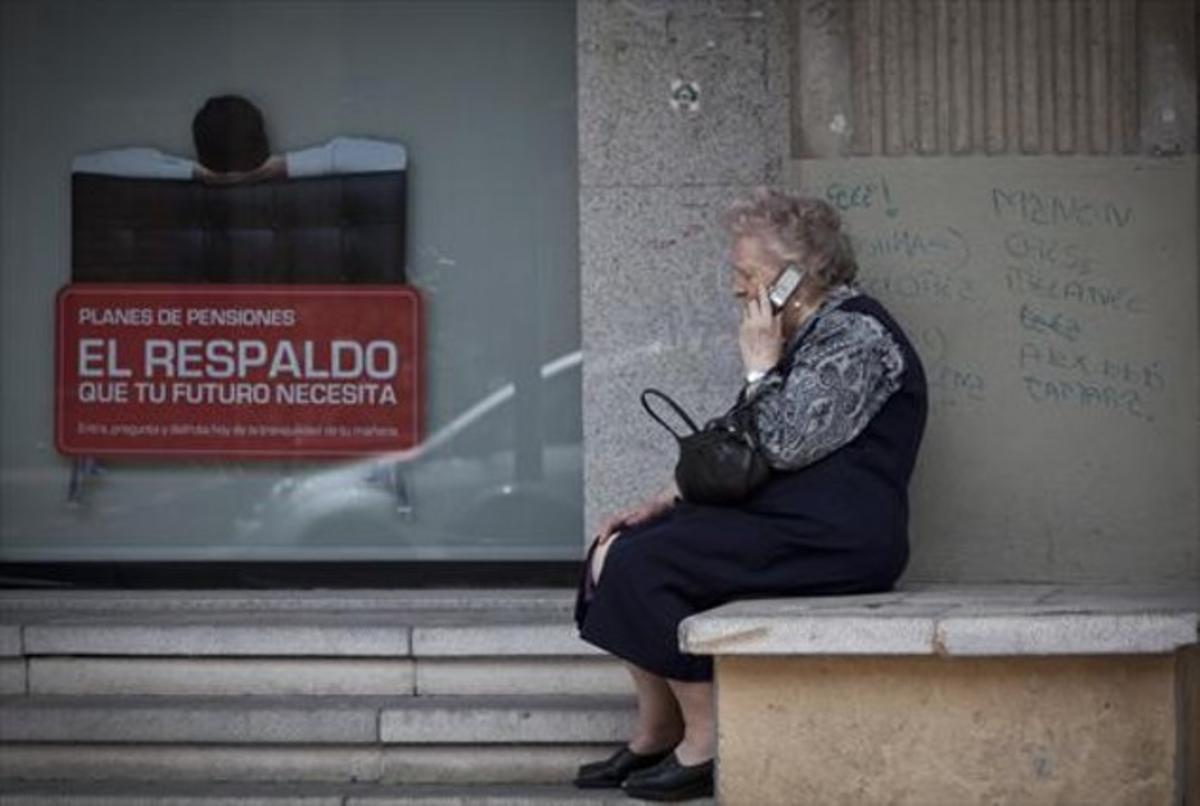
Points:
(328, 229)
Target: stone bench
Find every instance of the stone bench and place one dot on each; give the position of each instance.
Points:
(958, 694)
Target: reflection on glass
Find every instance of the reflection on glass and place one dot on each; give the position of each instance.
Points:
(482, 96)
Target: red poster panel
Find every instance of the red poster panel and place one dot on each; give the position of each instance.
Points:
(237, 371)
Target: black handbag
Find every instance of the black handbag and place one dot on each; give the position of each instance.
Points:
(718, 464)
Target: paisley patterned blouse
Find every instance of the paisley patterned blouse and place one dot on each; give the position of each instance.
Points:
(823, 395)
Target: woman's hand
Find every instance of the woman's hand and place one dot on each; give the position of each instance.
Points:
(761, 334)
(641, 513)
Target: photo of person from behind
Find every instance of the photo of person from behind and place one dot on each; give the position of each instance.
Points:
(230, 137)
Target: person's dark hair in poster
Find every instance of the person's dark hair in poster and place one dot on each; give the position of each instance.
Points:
(229, 135)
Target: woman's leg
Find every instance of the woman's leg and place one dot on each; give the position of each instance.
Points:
(659, 722)
(699, 740)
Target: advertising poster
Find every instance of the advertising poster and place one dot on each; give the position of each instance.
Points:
(242, 305)
(242, 371)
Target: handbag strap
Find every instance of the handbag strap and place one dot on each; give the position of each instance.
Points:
(682, 414)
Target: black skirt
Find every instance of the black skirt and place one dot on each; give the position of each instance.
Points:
(696, 558)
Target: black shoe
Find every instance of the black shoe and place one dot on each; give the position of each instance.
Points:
(609, 774)
(670, 780)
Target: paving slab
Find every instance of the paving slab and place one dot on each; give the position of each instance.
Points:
(396, 764)
(553, 675)
(490, 764)
(504, 720)
(1069, 633)
(370, 633)
(499, 796)
(13, 676)
(498, 638)
(120, 793)
(63, 718)
(798, 626)
(184, 762)
(361, 634)
(956, 620)
(547, 599)
(966, 592)
(220, 675)
(169, 794)
(10, 641)
(315, 719)
(1141, 598)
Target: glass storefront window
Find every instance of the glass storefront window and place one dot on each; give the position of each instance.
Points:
(425, 146)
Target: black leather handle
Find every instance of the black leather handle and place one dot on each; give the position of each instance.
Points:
(682, 414)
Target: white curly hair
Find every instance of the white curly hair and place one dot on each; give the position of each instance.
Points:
(803, 229)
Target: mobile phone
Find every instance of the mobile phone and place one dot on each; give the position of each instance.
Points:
(784, 285)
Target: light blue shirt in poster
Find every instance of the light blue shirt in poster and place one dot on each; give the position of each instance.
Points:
(341, 155)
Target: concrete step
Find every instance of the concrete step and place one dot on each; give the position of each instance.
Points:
(554, 600)
(440, 643)
(223, 794)
(407, 764)
(13, 676)
(81, 675)
(295, 633)
(316, 719)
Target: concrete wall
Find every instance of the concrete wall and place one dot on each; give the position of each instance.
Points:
(656, 307)
(1053, 302)
(910, 730)
(1008, 488)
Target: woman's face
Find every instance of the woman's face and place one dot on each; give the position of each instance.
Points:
(754, 266)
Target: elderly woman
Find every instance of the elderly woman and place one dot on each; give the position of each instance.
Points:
(837, 396)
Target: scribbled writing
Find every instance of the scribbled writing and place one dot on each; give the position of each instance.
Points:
(1027, 281)
(1048, 253)
(904, 283)
(1146, 375)
(1047, 323)
(946, 248)
(931, 342)
(1076, 377)
(1087, 395)
(862, 195)
(951, 384)
(1053, 210)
